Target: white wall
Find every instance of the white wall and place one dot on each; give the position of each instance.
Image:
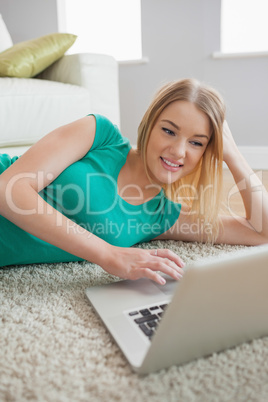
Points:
(179, 37)
(28, 19)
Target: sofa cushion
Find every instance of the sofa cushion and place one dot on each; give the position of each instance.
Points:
(52, 102)
(27, 59)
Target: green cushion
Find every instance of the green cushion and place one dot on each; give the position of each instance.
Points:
(27, 59)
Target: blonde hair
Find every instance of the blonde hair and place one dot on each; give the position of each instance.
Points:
(201, 189)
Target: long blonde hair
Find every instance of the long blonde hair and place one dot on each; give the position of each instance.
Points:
(201, 189)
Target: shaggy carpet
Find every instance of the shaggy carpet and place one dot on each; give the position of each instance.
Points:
(53, 347)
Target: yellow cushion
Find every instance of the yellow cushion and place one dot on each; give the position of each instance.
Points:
(27, 59)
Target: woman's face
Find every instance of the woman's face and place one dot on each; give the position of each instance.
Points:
(177, 142)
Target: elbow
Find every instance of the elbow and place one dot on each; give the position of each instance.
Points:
(258, 239)
(5, 197)
(17, 197)
(261, 235)
(263, 239)
(258, 232)
(10, 195)
(2, 195)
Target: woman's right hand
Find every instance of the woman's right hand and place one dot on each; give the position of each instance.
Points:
(135, 263)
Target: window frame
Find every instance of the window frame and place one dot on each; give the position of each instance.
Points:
(61, 10)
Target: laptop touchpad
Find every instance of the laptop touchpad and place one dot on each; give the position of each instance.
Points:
(169, 287)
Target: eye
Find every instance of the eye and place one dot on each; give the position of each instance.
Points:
(196, 143)
(169, 132)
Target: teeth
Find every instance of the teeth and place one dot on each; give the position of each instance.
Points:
(169, 163)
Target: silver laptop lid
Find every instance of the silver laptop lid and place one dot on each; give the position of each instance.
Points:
(217, 305)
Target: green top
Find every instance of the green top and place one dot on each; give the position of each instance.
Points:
(86, 192)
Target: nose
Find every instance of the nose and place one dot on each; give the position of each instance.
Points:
(178, 150)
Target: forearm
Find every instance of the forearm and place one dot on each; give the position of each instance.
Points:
(25, 208)
(253, 193)
(30, 212)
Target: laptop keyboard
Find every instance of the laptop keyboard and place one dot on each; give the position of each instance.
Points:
(148, 318)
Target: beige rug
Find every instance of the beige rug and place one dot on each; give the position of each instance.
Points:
(54, 348)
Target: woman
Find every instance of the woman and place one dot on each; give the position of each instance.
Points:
(82, 192)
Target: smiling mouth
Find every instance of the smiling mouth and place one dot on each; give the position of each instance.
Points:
(170, 163)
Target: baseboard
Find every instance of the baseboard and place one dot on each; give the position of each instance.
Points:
(257, 157)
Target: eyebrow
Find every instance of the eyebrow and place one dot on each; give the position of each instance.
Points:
(178, 128)
(173, 124)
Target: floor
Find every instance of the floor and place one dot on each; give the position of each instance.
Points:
(231, 197)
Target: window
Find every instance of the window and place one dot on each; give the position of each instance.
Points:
(244, 26)
(103, 26)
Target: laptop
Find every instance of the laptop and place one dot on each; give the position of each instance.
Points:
(219, 303)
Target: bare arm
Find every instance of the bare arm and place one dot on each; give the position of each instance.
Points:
(37, 168)
(250, 230)
(22, 205)
(253, 193)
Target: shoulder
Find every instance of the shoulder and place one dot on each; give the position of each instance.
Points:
(107, 133)
(104, 124)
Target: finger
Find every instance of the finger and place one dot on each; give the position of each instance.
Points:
(148, 273)
(166, 266)
(171, 265)
(166, 253)
(169, 268)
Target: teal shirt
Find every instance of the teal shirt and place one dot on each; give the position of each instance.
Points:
(86, 192)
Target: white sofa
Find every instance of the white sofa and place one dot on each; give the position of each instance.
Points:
(71, 88)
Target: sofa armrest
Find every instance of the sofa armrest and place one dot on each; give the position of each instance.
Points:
(95, 72)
